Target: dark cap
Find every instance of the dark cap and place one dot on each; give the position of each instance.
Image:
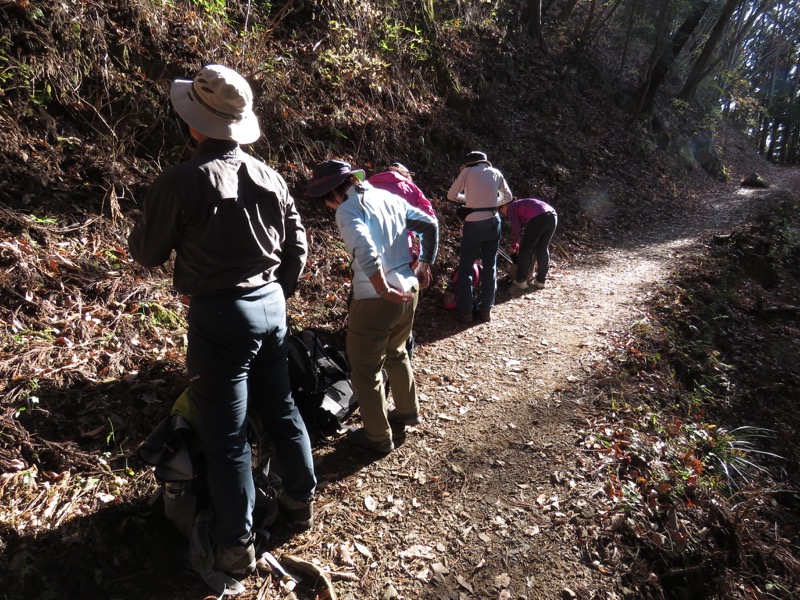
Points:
(329, 175)
(476, 157)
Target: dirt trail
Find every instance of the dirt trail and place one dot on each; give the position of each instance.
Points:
(484, 499)
(493, 494)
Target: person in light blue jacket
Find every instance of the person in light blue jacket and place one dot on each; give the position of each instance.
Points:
(374, 225)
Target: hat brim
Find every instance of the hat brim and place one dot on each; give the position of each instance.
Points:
(197, 117)
(325, 186)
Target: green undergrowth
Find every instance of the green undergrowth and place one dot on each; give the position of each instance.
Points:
(700, 425)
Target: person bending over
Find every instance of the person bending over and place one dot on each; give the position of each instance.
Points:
(539, 221)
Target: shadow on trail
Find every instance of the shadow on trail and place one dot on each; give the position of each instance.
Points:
(115, 552)
(79, 444)
(340, 459)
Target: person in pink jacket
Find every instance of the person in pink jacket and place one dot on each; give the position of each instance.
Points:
(398, 180)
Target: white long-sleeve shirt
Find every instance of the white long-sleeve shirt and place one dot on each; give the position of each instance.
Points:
(480, 186)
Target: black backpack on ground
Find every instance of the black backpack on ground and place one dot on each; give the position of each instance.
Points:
(320, 379)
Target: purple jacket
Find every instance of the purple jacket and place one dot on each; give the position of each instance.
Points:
(521, 211)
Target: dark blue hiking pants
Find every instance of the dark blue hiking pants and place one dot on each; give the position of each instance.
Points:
(480, 239)
(236, 361)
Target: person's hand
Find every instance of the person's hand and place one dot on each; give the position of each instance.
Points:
(397, 296)
(423, 273)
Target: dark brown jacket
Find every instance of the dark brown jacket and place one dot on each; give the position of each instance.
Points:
(229, 218)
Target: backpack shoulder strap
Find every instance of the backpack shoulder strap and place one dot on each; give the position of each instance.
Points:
(302, 366)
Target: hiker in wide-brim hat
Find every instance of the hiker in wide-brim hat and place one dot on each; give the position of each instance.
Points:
(475, 158)
(218, 103)
(374, 225)
(328, 175)
(481, 188)
(239, 247)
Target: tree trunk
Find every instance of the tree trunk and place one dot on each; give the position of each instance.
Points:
(535, 21)
(792, 150)
(794, 145)
(566, 11)
(785, 137)
(651, 61)
(773, 140)
(584, 36)
(699, 69)
(604, 18)
(628, 30)
(446, 81)
(547, 5)
(763, 129)
(647, 91)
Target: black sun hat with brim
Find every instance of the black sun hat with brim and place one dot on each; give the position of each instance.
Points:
(476, 157)
(329, 175)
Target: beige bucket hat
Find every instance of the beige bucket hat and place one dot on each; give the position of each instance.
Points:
(218, 103)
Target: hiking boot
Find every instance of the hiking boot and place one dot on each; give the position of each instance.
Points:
(521, 285)
(236, 561)
(486, 315)
(398, 433)
(537, 285)
(410, 419)
(300, 512)
(465, 315)
(358, 437)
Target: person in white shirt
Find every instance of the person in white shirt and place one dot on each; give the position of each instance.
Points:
(482, 189)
